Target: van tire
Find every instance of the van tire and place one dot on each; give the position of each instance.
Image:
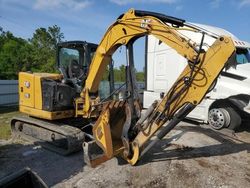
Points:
(235, 119)
(226, 117)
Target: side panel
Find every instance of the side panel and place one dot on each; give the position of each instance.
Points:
(45, 114)
(26, 89)
(200, 113)
(164, 66)
(149, 97)
(150, 58)
(160, 72)
(31, 99)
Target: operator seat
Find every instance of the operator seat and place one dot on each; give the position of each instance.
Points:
(74, 76)
(75, 70)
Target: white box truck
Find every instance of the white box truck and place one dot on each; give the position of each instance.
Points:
(227, 104)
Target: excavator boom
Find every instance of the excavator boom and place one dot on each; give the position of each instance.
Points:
(129, 27)
(116, 132)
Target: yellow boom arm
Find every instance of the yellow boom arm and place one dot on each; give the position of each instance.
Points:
(115, 133)
(126, 29)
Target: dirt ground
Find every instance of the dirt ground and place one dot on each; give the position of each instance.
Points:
(190, 156)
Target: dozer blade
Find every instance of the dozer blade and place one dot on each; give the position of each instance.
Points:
(60, 138)
(108, 133)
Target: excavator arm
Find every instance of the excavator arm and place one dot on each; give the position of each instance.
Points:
(115, 132)
(187, 92)
(129, 27)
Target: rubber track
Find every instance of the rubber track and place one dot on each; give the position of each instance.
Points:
(72, 136)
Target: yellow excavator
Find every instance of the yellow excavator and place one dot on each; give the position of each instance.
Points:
(48, 99)
(116, 127)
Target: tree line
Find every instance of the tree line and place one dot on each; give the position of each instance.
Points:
(37, 54)
(120, 74)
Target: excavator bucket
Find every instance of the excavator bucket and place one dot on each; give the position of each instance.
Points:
(108, 131)
(93, 155)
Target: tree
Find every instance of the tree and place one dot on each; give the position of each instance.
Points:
(13, 55)
(56, 35)
(140, 76)
(47, 38)
(44, 42)
(120, 74)
(36, 54)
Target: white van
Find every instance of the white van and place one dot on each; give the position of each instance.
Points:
(226, 105)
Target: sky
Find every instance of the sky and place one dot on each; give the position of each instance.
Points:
(89, 19)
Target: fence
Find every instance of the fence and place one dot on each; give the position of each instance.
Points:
(8, 92)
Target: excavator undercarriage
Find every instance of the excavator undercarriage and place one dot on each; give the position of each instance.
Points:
(59, 137)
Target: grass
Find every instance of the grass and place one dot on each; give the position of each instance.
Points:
(6, 115)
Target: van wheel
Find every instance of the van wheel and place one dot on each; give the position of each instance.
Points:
(224, 117)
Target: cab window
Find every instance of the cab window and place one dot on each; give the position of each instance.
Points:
(242, 56)
(66, 55)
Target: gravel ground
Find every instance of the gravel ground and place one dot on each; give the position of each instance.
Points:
(190, 156)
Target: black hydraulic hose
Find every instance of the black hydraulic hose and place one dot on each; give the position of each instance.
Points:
(173, 97)
(198, 55)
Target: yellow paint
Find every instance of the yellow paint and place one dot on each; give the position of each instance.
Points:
(102, 134)
(26, 89)
(45, 114)
(30, 96)
(121, 33)
(136, 152)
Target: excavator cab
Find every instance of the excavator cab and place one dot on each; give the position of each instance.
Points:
(50, 100)
(51, 96)
(73, 61)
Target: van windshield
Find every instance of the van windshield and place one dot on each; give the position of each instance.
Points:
(242, 56)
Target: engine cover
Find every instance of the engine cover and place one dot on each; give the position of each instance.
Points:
(57, 96)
